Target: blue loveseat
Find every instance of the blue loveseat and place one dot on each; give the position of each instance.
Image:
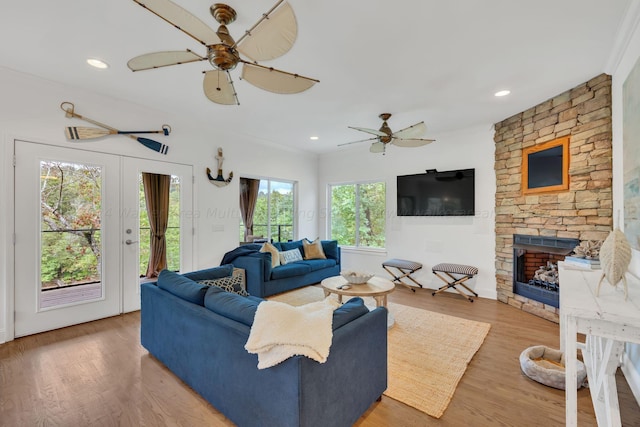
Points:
(263, 280)
(199, 333)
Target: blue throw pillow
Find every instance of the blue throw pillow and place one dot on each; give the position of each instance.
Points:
(330, 248)
(182, 287)
(290, 256)
(230, 305)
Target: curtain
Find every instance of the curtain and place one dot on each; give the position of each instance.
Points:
(248, 198)
(156, 195)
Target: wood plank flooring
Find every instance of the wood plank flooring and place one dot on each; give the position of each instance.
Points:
(98, 374)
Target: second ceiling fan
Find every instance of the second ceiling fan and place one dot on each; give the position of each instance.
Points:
(407, 137)
(272, 36)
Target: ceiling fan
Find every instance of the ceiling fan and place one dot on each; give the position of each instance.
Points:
(407, 137)
(272, 36)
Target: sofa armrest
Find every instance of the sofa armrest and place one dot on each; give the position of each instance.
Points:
(257, 268)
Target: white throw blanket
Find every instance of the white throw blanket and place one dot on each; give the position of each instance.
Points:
(281, 331)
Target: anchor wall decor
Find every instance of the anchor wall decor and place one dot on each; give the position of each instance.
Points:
(219, 180)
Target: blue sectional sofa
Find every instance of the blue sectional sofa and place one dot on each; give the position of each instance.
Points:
(262, 280)
(199, 333)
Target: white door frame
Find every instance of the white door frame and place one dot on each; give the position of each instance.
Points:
(7, 258)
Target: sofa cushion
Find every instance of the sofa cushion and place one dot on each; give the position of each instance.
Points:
(290, 256)
(330, 248)
(319, 264)
(290, 270)
(210, 273)
(230, 305)
(229, 284)
(275, 258)
(349, 311)
(313, 250)
(287, 246)
(182, 287)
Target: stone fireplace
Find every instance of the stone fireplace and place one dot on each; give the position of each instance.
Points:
(583, 212)
(532, 254)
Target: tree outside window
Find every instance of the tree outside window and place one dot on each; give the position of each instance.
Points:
(358, 214)
(273, 217)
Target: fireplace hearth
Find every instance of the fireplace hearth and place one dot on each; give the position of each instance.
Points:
(534, 261)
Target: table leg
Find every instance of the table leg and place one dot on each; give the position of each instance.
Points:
(326, 292)
(381, 300)
(571, 373)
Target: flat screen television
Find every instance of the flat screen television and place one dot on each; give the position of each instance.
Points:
(449, 193)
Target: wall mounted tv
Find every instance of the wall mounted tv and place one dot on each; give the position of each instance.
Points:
(449, 193)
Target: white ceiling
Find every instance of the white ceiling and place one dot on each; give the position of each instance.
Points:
(432, 60)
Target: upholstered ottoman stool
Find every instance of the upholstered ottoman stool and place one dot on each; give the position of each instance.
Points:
(466, 271)
(405, 270)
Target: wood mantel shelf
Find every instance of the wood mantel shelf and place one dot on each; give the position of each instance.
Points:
(608, 321)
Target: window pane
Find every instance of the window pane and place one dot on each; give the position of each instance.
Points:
(343, 215)
(371, 213)
(281, 218)
(70, 244)
(172, 234)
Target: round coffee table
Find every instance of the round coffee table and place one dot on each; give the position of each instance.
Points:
(377, 288)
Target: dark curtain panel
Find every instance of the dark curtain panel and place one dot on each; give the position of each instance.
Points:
(248, 197)
(156, 195)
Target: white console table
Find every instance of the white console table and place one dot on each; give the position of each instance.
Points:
(608, 321)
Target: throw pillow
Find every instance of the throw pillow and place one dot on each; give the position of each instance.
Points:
(292, 255)
(275, 258)
(313, 250)
(229, 284)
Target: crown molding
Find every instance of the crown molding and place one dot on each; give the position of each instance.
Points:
(625, 32)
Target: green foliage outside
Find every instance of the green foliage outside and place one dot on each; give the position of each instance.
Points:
(70, 204)
(358, 214)
(280, 202)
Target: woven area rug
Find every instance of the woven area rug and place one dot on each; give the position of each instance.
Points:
(428, 352)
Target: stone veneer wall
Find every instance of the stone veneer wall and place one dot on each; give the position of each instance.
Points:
(585, 211)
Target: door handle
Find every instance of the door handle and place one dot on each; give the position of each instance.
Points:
(130, 242)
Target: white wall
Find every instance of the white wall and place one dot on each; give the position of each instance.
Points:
(30, 110)
(428, 240)
(630, 55)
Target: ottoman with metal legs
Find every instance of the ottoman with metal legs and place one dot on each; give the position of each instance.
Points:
(465, 272)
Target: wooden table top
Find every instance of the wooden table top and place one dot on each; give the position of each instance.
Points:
(376, 286)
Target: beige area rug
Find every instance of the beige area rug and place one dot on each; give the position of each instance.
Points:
(428, 352)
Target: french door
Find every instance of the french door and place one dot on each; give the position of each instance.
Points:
(77, 234)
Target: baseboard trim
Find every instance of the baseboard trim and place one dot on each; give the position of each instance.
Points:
(631, 375)
(3, 336)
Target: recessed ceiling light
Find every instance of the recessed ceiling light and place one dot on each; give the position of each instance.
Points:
(502, 93)
(314, 138)
(97, 63)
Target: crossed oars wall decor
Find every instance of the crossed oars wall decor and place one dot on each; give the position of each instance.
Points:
(79, 134)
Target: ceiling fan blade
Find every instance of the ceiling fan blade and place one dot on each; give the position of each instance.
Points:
(276, 81)
(414, 131)
(377, 147)
(272, 36)
(181, 19)
(162, 59)
(367, 130)
(218, 87)
(355, 142)
(413, 142)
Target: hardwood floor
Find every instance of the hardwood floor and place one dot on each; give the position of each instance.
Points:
(98, 374)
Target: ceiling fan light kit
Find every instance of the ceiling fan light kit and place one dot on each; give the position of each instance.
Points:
(407, 137)
(271, 37)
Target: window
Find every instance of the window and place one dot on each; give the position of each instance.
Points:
(357, 215)
(172, 233)
(272, 217)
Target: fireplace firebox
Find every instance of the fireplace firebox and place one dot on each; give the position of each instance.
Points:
(535, 260)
